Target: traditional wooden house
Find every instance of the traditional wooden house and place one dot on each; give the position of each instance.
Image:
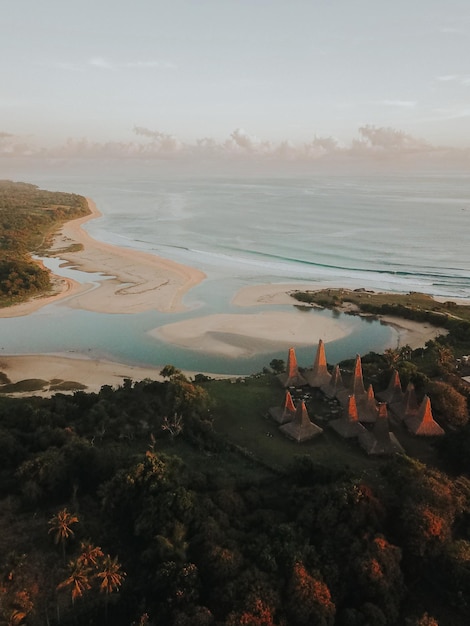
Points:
(334, 385)
(349, 425)
(292, 377)
(356, 385)
(407, 406)
(393, 393)
(301, 428)
(319, 375)
(423, 422)
(284, 413)
(380, 441)
(367, 407)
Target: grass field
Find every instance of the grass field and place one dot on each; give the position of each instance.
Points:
(241, 418)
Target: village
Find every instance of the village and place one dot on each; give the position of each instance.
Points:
(363, 415)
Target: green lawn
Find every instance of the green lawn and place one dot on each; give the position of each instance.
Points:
(241, 418)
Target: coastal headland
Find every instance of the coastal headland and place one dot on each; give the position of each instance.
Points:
(133, 281)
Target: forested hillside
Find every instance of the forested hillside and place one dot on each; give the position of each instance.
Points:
(127, 507)
(28, 217)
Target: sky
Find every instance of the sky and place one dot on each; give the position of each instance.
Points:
(239, 73)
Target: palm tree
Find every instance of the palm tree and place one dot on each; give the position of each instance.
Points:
(78, 581)
(60, 524)
(111, 576)
(89, 554)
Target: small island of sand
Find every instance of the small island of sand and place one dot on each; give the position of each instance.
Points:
(243, 335)
(134, 281)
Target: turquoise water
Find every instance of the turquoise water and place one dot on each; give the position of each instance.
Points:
(400, 232)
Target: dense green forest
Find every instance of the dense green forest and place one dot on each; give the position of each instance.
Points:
(132, 506)
(28, 217)
(179, 503)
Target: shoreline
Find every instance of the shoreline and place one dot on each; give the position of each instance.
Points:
(133, 281)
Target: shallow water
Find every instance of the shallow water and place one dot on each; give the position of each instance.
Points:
(402, 232)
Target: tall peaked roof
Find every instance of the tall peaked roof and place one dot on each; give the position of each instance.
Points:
(292, 377)
(367, 407)
(348, 425)
(319, 375)
(408, 405)
(301, 428)
(380, 440)
(350, 410)
(394, 392)
(423, 422)
(334, 385)
(284, 413)
(356, 385)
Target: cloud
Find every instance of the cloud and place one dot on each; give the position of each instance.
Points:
(461, 79)
(451, 113)
(407, 104)
(371, 143)
(390, 140)
(106, 64)
(165, 65)
(162, 143)
(101, 63)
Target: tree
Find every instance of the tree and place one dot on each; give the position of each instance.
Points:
(309, 599)
(392, 357)
(89, 554)
(278, 366)
(60, 524)
(78, 581)
(449, 403)
(111, 576)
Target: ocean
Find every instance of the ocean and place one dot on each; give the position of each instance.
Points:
(397, 232)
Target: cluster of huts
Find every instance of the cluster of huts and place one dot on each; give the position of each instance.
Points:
(365, 416)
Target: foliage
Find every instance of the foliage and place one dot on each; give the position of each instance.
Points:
(28, 216)
(448, 403)
(206, 536)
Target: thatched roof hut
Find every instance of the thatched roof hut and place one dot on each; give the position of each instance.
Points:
(380, 441)
(335, 384)
(423, 422)
(319, 375)
(367, 407)
(349, 425)
(301, 428)
(356, 385)
(284, 413)
(292, 377)
(408, 405)
(394, 392)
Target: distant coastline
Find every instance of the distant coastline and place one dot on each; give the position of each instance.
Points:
(135, 281)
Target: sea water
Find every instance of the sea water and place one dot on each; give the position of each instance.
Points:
(397, 232)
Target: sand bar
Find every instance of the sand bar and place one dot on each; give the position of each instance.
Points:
(412, 333)
(243, 335)
(409, 332)
(93, 373)
(135, 281)
(273, 293)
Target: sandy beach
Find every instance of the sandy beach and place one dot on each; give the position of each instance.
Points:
(134, 281)
(54, 369)
(411, 333)
(243, 335)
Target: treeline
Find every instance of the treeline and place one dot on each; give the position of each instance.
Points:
(28, 216)
(125, 507)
